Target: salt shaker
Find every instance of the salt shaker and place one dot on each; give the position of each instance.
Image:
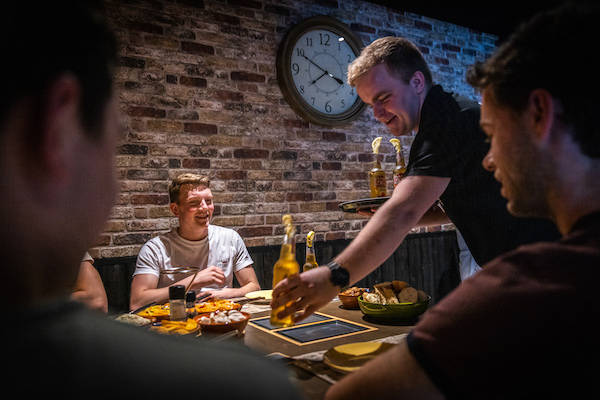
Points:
(177, 303)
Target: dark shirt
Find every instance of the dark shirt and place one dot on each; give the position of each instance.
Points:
(451, 144)
(67, 351)
(523, 327)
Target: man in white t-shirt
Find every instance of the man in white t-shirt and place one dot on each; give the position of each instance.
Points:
(219, 252)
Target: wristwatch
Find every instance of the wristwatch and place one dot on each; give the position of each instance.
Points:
(339, 275)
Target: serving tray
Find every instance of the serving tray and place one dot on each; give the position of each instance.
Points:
(355, 206)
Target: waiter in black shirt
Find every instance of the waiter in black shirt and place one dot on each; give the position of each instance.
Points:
(392, 77)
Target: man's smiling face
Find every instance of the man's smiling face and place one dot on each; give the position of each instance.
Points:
(194, 210)
(395, 103)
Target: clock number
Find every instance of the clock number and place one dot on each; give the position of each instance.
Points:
(313, 100)
(309, 41)
(343, 103)
(327, 107)
(326, 42)
(302, 89)
(295, 68)
(300, 52)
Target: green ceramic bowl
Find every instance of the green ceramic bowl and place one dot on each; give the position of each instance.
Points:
(402, 312)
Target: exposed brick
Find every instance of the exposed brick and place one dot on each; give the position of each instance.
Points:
(255, 231)
(199, 128)
(131, 62)
(250, 153)
(284, 155)
(331, 166)
(423, 25)
(151, 112)
(362, 28)
(192, 81)
(228, 95)
(247, 76)
(144, 27)
(365, 157)
(155, 199)
(131, 238)
(230, 174)
(196, 163)
(295, 123)
(225, 19)
(299, 196)
(133, 149)
(150, 174)
(197, 48)
(335, 235)
(332, 136)
(450, 47)
(277, 10)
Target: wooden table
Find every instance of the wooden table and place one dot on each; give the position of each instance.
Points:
(312, 386)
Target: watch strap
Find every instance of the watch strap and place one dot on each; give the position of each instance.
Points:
(340, 276)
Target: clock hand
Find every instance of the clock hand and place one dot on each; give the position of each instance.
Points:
(320, 76)
(338, 80)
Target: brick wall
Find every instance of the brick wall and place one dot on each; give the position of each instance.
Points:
(198, 93)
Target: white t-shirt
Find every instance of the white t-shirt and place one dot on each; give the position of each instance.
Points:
(223, 248)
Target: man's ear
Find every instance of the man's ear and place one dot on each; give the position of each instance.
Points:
(541, 113)
(60, 125)
(174, 209)
(417, 81)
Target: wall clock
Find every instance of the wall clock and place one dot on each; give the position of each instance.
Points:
(312, 65)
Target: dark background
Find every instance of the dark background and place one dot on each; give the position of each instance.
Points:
(496, 17)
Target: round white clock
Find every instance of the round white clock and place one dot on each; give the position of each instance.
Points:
(312, 65)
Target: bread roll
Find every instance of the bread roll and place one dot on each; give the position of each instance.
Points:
(408, 295)
(399, 285)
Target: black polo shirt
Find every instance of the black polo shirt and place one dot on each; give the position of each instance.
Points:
(451, 144)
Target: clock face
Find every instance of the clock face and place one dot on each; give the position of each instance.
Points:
(312, 66)
(319, 66)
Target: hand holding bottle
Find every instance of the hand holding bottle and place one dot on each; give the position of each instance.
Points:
(304, 293)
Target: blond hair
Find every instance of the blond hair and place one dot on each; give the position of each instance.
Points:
(193, 180)
(400, 55)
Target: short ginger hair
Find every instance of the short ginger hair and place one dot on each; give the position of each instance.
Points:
(193, 180)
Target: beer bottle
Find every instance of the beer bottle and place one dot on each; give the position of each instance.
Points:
(400, 168)
(311, 259)
(284, 267)
(377, 182)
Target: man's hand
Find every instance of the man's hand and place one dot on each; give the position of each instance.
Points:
(209, 276)
(308, 292)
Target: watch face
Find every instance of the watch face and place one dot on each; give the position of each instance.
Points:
(319, 66)
(312, 66)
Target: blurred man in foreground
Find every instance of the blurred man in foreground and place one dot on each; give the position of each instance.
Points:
(58, 130)
(524, 326)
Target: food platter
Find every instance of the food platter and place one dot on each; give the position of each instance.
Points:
(355, 206)
(350, 357)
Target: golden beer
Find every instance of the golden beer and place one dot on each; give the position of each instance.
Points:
(311, 258)
(284, 267)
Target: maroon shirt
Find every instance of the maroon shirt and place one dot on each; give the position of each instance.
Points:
(526, 326)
